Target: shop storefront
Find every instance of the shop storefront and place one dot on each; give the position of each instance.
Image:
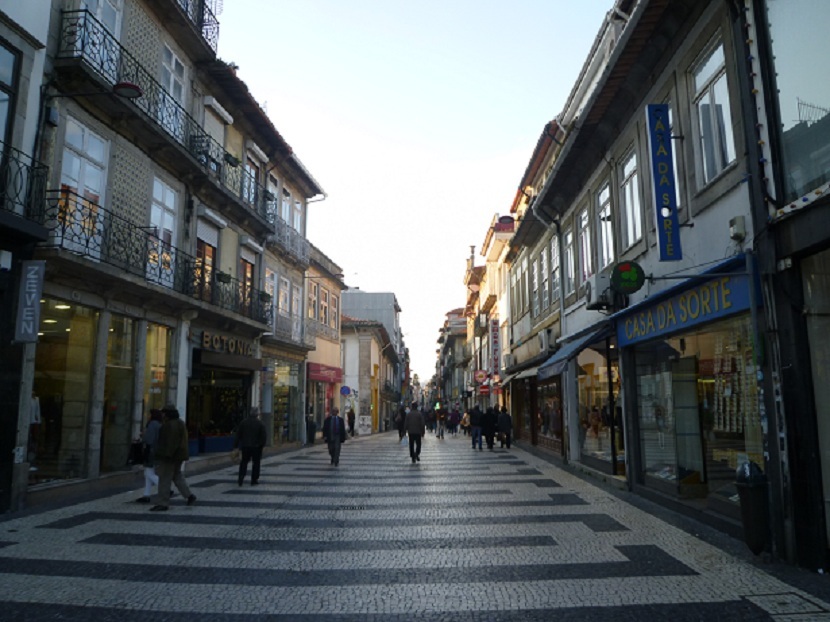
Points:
(322, 392)
(584, 376)
(281, 396)
(690, 364)
(219, 389)
(63, 441)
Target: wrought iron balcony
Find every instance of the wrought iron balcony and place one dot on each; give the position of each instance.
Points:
(203, 19)
(85, 39)
(81, 226)
(22, 183)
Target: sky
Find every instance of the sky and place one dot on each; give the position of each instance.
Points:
(417, 118)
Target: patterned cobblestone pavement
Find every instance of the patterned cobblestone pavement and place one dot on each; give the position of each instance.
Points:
(463, 535)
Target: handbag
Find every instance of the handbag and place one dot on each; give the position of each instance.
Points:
(235, 455)
(137, 449)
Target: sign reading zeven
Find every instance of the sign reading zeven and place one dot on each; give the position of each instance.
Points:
(27, 322)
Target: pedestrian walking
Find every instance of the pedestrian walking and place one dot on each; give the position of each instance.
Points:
(250, 439)
(416, 427)
(489, 425)
(334, 433)
(149, 440)
(465, 423)
(310, 429)
(441, 420)
(475, 426)
(400, 422)
(505, 427)
(171, 452)
(350, 418)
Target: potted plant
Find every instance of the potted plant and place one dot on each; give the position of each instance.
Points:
(223, 277)
(264, 297)
(232, 160)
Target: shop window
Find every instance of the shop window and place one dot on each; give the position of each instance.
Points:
(697, 410)
(600, 415)
(715, 142)
(62, 386)
(549, 409)
(116, 432)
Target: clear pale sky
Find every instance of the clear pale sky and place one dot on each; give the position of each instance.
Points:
(418, 118)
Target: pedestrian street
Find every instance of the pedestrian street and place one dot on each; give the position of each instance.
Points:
(462, 535)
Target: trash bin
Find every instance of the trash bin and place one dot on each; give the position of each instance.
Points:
(752, 490)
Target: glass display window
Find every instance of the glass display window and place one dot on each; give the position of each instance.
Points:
(698, 410)
(549, 413)
(61, 391)
(600, 417)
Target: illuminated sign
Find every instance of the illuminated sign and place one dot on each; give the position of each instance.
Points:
(707, 301)
(663, 182)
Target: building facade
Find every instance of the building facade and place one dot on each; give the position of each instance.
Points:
(174, 257)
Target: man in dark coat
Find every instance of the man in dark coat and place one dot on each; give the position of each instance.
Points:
(475, 425)
(416, 428)
(334, 433)
(171, 452)
(489, 423)
(250, 439)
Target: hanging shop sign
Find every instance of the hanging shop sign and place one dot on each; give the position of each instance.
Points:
(480, 375)
(627, 277)
(663, 183)
(711, 300)
(27, 322)
(226, 344)
(495, 346)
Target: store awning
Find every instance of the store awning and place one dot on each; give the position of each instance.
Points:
(557, 363)
(527, 373)
(507, 379)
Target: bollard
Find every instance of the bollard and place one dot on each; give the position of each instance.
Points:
(752, 490)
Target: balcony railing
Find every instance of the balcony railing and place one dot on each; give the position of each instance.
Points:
(87, 229)
(203, 19)
(85, 38)
(22, 182)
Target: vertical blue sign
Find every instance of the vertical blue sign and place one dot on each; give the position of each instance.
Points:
(663, 182)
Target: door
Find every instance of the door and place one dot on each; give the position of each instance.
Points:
(80, 219)
(691, 475)
(161, 262)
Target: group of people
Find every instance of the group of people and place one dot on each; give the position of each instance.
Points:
(165, 448)
(165, 451)
(488, 424)
(165, 443)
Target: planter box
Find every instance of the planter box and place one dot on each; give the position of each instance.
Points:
(217, 444)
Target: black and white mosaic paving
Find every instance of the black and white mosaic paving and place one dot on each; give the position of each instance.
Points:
(463, 535)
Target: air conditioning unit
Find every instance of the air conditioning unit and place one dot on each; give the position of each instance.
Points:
(598, 292)
(509, 361)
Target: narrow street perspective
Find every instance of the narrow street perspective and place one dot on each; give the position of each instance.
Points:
(462, 535)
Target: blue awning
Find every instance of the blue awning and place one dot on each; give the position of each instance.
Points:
(557, 363)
